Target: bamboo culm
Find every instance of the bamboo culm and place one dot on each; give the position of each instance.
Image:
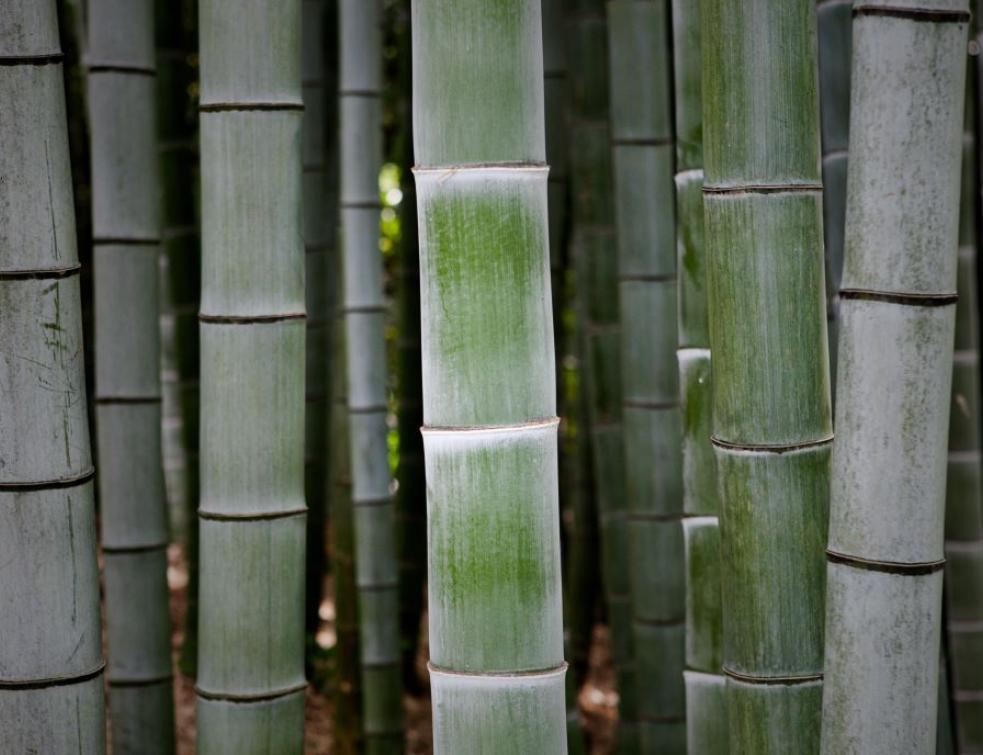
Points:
(126, 229)
(898, 312)
(51, 666)
(706, 708)
(594, 248)
(834, 23)
(180, 290)
(490, 433)
(252, 513)
(771, 399)
(642, 150)
(376, 573)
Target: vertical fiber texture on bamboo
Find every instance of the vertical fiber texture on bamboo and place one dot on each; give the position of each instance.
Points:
(706, 709)
(898, 312)
(360, 84)
(834, 22)
(126, 229)
(640, 71)
(180, 287)
(771, 399)
(252, 512)
(319, 68)
(490, 434)
(51, 666)
(594, 248)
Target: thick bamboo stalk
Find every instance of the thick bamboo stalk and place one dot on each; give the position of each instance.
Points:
(834, 29)
(640, 73)
(496, 635)
(376, 572)
(319, 69)
(252, 517)
(180, 289)
(964, 494)
(51, 667)
(898, 312)
(771, 400)
(595, 250)
(706, 708)
(126, 228)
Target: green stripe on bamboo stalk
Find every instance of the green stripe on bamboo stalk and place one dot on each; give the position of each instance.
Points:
(51, 683)
(834, 22)
(642, 152)
(376, 572)
(771, 398)
(596, 265)
(892, 414)
(706, 707)
(252, 517)
(126, 226)
(496, 635)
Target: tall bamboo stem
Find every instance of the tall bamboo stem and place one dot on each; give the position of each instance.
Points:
(51, 685)
(706, 708)
(253, 514)
(360, 43)
(496, 634)
(642, 150)
(771, 400)
(596, 262)
(898, 313)
(126, 227)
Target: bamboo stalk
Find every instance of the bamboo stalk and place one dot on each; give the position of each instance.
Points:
(177, 151)
(706, 707)
(964, 495)
(126, 227)
(376, 573)
(490, 438)
(898, 314)
(595, 251)
(253, 514)
(320, 175)
(834, 29)
(771, 398)
(642, 150)
(51, 683)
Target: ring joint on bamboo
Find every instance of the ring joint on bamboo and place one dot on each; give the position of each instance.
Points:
(104, 400)
(886, 567)
(535, 424)
(776, 448)
(121, 68)
(505, 167)
(49, 274)
(126, 240)
(54, 681)
(364, 309)
(926, 15)
(250, 319)
(259, 516)
(787, 681)
(123, 550)
(752, 188)
(544, 672)
(149, 682)
(60, 482)
(236, 107)
(41, 59)
(250, 697)
(370, 409)
(904, 299)
(368, 503)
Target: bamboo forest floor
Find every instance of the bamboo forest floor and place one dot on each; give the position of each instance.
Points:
(598, 699)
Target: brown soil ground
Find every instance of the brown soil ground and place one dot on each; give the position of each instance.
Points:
(598, 699)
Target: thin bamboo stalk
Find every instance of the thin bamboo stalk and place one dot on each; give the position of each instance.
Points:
(706, 708)
(771, 399)
(964, 492)
(376, 571)
(51, 685)
(320, 176)
(177, 150)
(496, 634)
(252, 517)
(898, 313)
(640, 73)
(595, 251)
(126, 228)
(834, 28)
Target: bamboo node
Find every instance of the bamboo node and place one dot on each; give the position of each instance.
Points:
(926, 15)
(250, 697)
(54, 681)
(788, 680)
(887, 567)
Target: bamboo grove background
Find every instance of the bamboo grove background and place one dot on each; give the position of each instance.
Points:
(351, 292)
